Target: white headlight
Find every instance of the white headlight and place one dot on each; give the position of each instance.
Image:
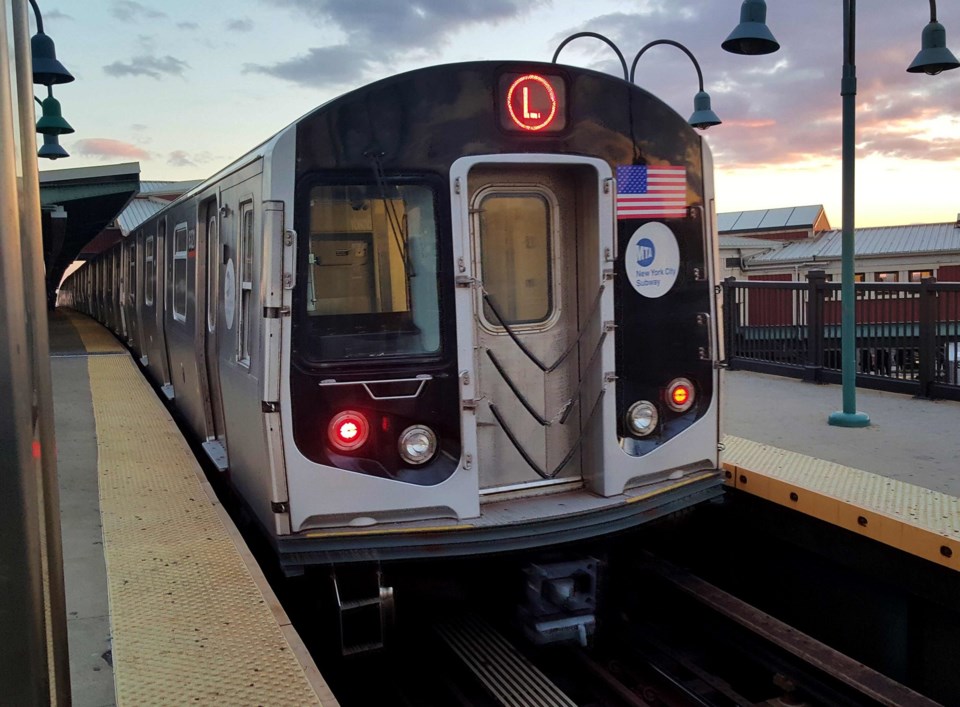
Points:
(642, 418)
(417, 444)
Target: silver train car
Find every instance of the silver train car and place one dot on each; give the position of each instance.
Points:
(466, 309)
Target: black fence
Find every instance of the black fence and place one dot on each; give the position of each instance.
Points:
(907, 334)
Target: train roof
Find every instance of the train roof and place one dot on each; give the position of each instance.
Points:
(267, 145)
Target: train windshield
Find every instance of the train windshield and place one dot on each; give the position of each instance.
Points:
(371, 286)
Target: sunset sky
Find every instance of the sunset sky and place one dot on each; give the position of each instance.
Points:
(183, 87)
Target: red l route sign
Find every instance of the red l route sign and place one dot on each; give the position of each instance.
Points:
(532, 103)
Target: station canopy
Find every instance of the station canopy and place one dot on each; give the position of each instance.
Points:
(77, 204)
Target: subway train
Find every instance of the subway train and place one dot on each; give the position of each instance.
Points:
(466, 309)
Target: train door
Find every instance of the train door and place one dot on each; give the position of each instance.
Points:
(208, 340)
(130, 300)
(533, 245)
(161, 302)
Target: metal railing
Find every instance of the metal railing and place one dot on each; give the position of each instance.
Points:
(908, 334)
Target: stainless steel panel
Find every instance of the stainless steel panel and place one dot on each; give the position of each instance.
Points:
(501, 461)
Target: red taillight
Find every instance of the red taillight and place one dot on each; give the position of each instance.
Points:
(680, 395)
(348, 430)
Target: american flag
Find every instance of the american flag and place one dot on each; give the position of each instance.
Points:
(651, 192)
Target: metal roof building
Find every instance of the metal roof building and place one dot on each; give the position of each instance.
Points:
(790, 218)
(152, 197)
(776, 243)
(880, 241)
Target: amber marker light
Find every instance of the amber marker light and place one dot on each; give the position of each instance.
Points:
(680, 395)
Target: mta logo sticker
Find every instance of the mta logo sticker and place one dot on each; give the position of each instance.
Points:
(652, 260)
(647, 253)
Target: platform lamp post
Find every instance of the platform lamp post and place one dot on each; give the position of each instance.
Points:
(752, 37)
(595, 35)
(703, 116)
(48, 71)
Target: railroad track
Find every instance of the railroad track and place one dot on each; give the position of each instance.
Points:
(671, 639)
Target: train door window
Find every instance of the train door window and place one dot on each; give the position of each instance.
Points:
(213, 269)
(149, 270)
(132, 279)
(372, 284)
(180, 273)
(920, 275)
(245, 261)
(515, 246)
(886, 277)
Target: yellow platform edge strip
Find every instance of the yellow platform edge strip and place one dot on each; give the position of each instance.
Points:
(882, 527)
(193, 619)
(96, 339)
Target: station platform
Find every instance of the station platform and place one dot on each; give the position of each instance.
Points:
(165, 604)
(896, 481)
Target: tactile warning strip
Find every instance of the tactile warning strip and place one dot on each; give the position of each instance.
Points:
(190, 623)
(96, 339)
(914, 519)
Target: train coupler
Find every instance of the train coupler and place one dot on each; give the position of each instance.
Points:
(561, 601)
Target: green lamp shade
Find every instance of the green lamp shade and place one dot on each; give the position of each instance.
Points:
(934, 56)
(703, 117)
(751, 36)
(52, 121)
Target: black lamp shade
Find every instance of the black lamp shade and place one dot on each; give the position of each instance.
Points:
(51, 148)
(46, 69)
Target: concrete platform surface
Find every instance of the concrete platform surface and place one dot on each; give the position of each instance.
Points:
(909, 439)
(165, 603)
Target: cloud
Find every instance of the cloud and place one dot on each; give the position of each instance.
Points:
(381, 31)
(389, 24)
(56, 15)
(182, 158)
(151, 66)
(786, 106)
(107, 149)
(322, 66)
(129, 11)
(240, 25)
(179, 158)
(188, 25)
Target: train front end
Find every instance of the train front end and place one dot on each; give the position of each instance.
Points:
(503, 328)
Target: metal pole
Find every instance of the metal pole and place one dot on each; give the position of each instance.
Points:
(23, 649)
(38, 340)
(848, 417)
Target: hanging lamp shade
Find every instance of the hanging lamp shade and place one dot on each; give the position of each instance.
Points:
(933, 56)
(703, 116)
(46, 69)
(51, 148)
(51, 121)
(751, 36)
